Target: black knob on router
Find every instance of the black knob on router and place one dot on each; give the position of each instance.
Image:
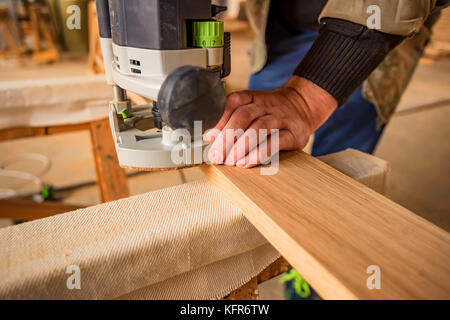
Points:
(191, 94)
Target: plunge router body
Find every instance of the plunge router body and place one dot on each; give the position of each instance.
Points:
(175, 53)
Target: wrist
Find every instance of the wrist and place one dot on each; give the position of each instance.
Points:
(343, 55)
(312, 101)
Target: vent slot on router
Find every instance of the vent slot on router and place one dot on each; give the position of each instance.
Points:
(135, 62)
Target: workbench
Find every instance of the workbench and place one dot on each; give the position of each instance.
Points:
(183, 242)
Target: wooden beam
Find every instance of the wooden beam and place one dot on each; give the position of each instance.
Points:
(248, 291)
(363, 167)
(25, 132)
(137, 99)
(17, 133)
(276, 268)
(111, 178)
(10, 34)
(332, 229)
(95, 59)
(371, 171)
(25, 210)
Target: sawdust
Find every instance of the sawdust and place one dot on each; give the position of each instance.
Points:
(161, 169)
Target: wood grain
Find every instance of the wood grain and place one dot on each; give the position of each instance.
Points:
(371, 171)
(248, 291)
(332, 228)
(276, 268)
(111, 178)
(95, 60)
(363, 167)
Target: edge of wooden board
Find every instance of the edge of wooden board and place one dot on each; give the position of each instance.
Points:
(321, 272)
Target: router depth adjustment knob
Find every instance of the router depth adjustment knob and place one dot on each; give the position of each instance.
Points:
(191, 94)
(207, 34)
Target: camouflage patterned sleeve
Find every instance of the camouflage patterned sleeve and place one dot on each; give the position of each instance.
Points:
(399, 17)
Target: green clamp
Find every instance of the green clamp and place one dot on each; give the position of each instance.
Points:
(300, 285)
(45, 191)
(125, 113)
(207, 34)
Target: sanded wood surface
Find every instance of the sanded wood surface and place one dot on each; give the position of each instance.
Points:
(371, 171)
(332, 228)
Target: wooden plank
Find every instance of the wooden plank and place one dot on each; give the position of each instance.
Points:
(248, 291)
(67, 128)
(137, 99)
(276, 268)
(17, 133)
(95, 59)
(24, 132)
(9, 32)
(25, 210)
(363, 167)
(332, 229)
(371, 171)
(111, 177)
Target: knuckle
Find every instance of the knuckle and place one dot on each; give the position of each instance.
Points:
(235, 99)
(269, 123)
(263, 123)
(298, 142)
(278, 123)
(244, 114)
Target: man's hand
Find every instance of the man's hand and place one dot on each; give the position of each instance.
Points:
(297, 110)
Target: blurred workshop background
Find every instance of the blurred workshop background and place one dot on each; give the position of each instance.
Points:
(61, 72)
